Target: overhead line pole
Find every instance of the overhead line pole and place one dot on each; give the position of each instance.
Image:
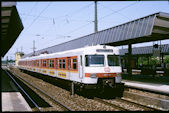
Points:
(95, 22)
(33, 48)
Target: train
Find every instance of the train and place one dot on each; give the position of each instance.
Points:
(90, 67)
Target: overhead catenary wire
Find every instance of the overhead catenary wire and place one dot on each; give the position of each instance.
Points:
(73, 13)
(31, 10)
(102, 18)
(114, 11)
(77, 11)
(79, 27)
(89, 22)
(38, 16)
(118, 10)
(56, 18)
(62, 36)
(68, 33)
(63, 16)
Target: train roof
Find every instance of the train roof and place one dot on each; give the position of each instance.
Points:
(75, 52)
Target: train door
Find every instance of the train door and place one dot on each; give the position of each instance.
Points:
(69, 66)
(81, 67)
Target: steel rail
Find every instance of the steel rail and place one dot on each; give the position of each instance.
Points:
(110, 104)
(35, 104)
(58, 102)
(144, 106)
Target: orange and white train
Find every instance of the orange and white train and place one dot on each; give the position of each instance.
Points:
(89, 67)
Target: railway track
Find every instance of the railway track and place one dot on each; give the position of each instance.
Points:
(64, 107)
(79, 103)
(110, 104)
(137, 104)
(125, 105)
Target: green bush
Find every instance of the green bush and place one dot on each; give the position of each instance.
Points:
(154, 61)
(166, 59)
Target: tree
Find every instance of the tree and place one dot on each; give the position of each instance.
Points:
(153, 61)
(166, 59)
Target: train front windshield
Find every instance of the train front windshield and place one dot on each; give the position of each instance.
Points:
(113, 60)
(99, 60)
(94, 60)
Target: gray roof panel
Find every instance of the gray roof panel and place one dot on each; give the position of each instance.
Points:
(146, 50)
(145, 29)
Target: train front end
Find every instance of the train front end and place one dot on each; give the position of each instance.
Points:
(103, 69)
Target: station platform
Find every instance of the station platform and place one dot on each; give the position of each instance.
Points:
(159, 84)
(12, 99)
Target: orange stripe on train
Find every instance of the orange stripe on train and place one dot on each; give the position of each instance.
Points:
(102, 75)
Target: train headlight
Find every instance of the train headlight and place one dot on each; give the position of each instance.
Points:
(93, 75)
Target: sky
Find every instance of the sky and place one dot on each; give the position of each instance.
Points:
(50, 23)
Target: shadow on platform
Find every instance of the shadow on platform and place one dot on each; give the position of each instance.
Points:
(6, 83)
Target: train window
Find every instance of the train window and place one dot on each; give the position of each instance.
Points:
(60, 64)
(113, 60)
(44, 63)
(56, 63)
(69, 63)
(37, 63)
(94, 60)
(52, 63)
(33, 63)
(47, 63)
(74, 63)
(63, 63)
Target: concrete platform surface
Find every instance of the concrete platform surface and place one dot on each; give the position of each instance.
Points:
(14, 101)
(161, 88)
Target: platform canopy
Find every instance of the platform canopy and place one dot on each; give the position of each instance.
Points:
(147, 50)
(149, 28)
(11, 26)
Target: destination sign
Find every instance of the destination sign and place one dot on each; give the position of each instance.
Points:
(104, 50)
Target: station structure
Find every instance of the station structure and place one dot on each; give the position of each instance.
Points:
(11, 25)
(18, 55)
(149, 28)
